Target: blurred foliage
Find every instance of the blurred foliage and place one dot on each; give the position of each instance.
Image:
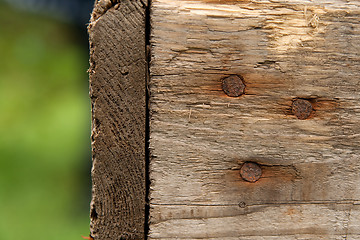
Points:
(44, 134)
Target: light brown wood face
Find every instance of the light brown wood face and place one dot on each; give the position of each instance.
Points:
(200, 137)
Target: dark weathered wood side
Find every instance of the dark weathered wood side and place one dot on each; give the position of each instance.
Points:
(118, 97)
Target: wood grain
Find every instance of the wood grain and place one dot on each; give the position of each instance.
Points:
(200, 137)
(118, 96)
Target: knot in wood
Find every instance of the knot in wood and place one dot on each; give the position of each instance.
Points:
(301, 108)
(250, 171)
(233, 86)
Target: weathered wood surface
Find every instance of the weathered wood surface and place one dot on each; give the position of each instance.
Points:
(199, 137)
(117, 89)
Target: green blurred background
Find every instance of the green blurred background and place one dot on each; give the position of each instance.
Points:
(45, 157)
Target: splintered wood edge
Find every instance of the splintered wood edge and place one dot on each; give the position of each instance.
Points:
(101, 6)
(118, 72)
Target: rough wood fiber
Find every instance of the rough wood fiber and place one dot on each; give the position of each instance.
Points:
(117, 90)
(200, 137)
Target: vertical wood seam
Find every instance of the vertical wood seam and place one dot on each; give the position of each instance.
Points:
(147, 121)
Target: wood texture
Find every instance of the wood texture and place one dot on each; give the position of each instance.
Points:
(200, 137)
(117, 89)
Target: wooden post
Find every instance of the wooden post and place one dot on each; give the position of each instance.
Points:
(253, 114)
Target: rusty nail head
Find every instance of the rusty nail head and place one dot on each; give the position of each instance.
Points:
(233, 85)
(250, 171)
(301, 108)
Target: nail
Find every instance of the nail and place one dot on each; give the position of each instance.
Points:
(250, 171)
(233, 85)
(301, 108)
(242, 204)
